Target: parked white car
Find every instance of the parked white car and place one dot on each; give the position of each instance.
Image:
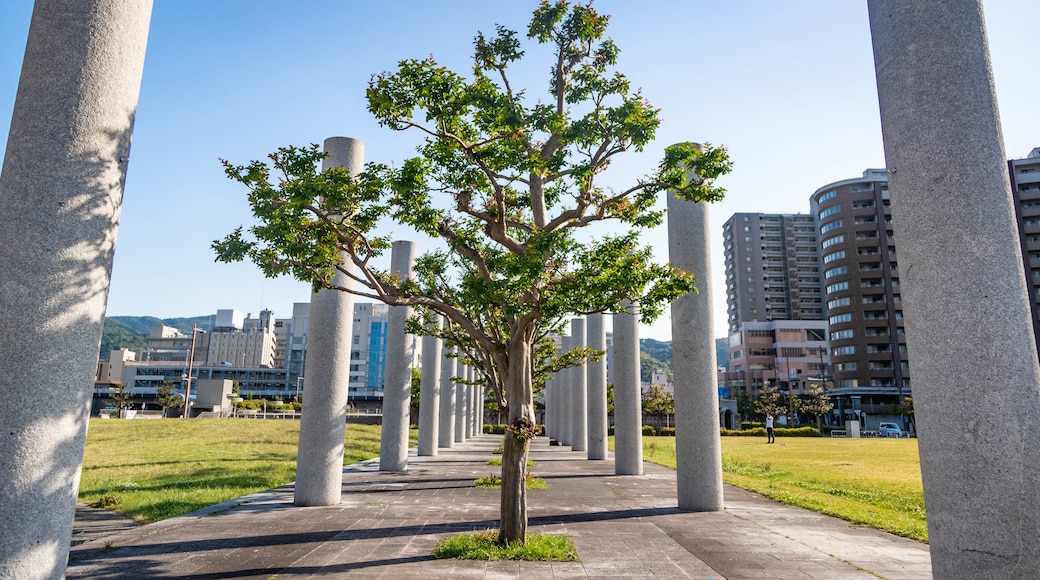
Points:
(890, 430)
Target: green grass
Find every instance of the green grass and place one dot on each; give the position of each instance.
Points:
(157, 469)
(498, 461)
(493, 481)
(484, 546)
(875, 482)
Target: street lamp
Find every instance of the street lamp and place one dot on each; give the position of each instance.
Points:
(191, 360)
(298, 381)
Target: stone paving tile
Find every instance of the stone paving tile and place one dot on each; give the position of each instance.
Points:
(388, 523)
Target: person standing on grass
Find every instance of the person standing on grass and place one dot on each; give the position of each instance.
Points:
(770, 438)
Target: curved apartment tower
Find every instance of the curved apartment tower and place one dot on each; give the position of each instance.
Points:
(860, 277)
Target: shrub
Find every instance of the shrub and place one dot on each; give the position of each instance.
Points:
(649, 430)
(755, 432)
(494, 429)
(779, 432)
(667, 432)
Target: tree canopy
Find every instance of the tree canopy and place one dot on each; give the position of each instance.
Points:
(503, 181)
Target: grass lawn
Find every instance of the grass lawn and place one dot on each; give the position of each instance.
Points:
(157, 469)
(876, 482)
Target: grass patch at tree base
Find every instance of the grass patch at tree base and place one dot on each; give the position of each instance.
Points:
(494, 481)
(484, 546)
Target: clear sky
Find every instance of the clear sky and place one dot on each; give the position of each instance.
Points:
(788, 87)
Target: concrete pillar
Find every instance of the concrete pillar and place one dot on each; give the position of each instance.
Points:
(968, 332)
(430, 392)
(550, 408)
(60, 193)
(446, 430)
(597, 389)
(474, 402)
(563, 381)
(319, 461)
(397, 390)
(579, 394)
(461, 396)
(628, 411)
(697, 446)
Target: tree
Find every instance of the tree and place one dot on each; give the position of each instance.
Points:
(167, 399)
(817, 403)
(120, 398)
(658, 403)
(504, 185)
(908, 410)
(769, 402)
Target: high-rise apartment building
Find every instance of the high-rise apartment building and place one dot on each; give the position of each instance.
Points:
(772, 268)
(368, 351)
(1025, 187)
(861, 287)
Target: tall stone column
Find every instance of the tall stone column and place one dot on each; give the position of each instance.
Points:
(628, 412)
(319, 461)
(474, 402)
(397, 390)
(563, 380)
(430, 392)
(597, 389)
(461, 397)
(446, 430)
(550, 408)
(698, 449)
(972, 354)
(60, 192)
(579, 393)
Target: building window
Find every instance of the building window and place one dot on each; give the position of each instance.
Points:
(830, 211)
(837, 287)
(835, 240)
(843, 350)
(835, 272)
(845, 383)
(842, 334)
(839, 302)
(839, 318)
(829, 195)
(834, 256)
(831, 226)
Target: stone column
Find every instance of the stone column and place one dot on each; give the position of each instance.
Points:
(597, 389)
(698, 449)
(461, 395)
(579, 395)
(397, 390)
(60, 192)
(474, 402)
(429, 391)
(628, 412)
(319, 462)
(563, 382)
(446, 430)
(968, 332)
(550, 408)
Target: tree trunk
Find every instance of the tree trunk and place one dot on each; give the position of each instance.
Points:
(520, 396)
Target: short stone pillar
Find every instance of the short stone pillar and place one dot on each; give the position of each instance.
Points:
(462, 404)
(60, 193)
(628, 410)
(430, 391)
(319, 459)
(852, 429)
(579, 393)
(698, 449)
(446, 430)
(597, 389)
(964, 294)
(397, 389)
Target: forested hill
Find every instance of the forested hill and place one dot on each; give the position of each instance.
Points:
(131, 332)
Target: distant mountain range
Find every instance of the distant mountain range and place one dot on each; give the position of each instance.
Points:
(131, 332)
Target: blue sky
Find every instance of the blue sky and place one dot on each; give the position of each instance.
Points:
(788, 87)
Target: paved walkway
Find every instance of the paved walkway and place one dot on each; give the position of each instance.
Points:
(388, 523)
